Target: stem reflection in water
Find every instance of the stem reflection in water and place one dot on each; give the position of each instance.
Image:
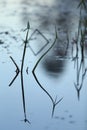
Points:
(21, 72)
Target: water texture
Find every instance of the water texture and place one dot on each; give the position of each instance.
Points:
(43, 64)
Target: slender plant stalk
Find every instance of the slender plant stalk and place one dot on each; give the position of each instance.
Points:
(22, 66)
(33, 72)
(67, 46)
(21, 71)
(83, 4)
(80, 42)
(80, 86)
(76, 41)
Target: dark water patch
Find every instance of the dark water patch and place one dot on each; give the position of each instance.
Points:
(62, 118)
(23, 2)
(52, 16)
(6, 46)
(47, 13)
(4, 3)
(6, 32)
(72, 122)
(70, 116)
(9, 38)
(65, 117)
(1, 42)
(51, 65)
(14, 37)
(3, 62)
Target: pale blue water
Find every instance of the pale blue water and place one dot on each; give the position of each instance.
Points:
(55, 72)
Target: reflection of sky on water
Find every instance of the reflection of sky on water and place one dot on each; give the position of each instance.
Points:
(39, 13)
(38, 104)
(54, 73)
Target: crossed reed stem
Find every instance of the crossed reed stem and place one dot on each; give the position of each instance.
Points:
(54, 102)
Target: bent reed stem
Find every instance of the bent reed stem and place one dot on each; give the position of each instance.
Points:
(33, 72)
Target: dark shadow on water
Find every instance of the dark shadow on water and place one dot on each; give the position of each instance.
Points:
(55, 63)
(59, 118)
(62, 118)
(70, 116)
(54, 66)
(47, 13)
(1, 42)
(72, 122)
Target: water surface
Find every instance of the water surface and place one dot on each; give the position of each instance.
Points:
(57, 72)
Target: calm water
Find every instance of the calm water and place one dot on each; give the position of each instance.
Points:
(56, 72)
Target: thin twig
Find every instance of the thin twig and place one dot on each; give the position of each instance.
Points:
(22, 66)
(21, 71)
(17, 71)
(67, 44)
(33, 72)
(80, 86)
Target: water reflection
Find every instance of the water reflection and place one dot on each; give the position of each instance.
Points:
(47, 13)
(54, 101)
(79, 42)
(21, 72)
(25, 14)
(66, 117)
(72, 122)
(55, 63)
(79, 83)
(53, 66)
(43, 14)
